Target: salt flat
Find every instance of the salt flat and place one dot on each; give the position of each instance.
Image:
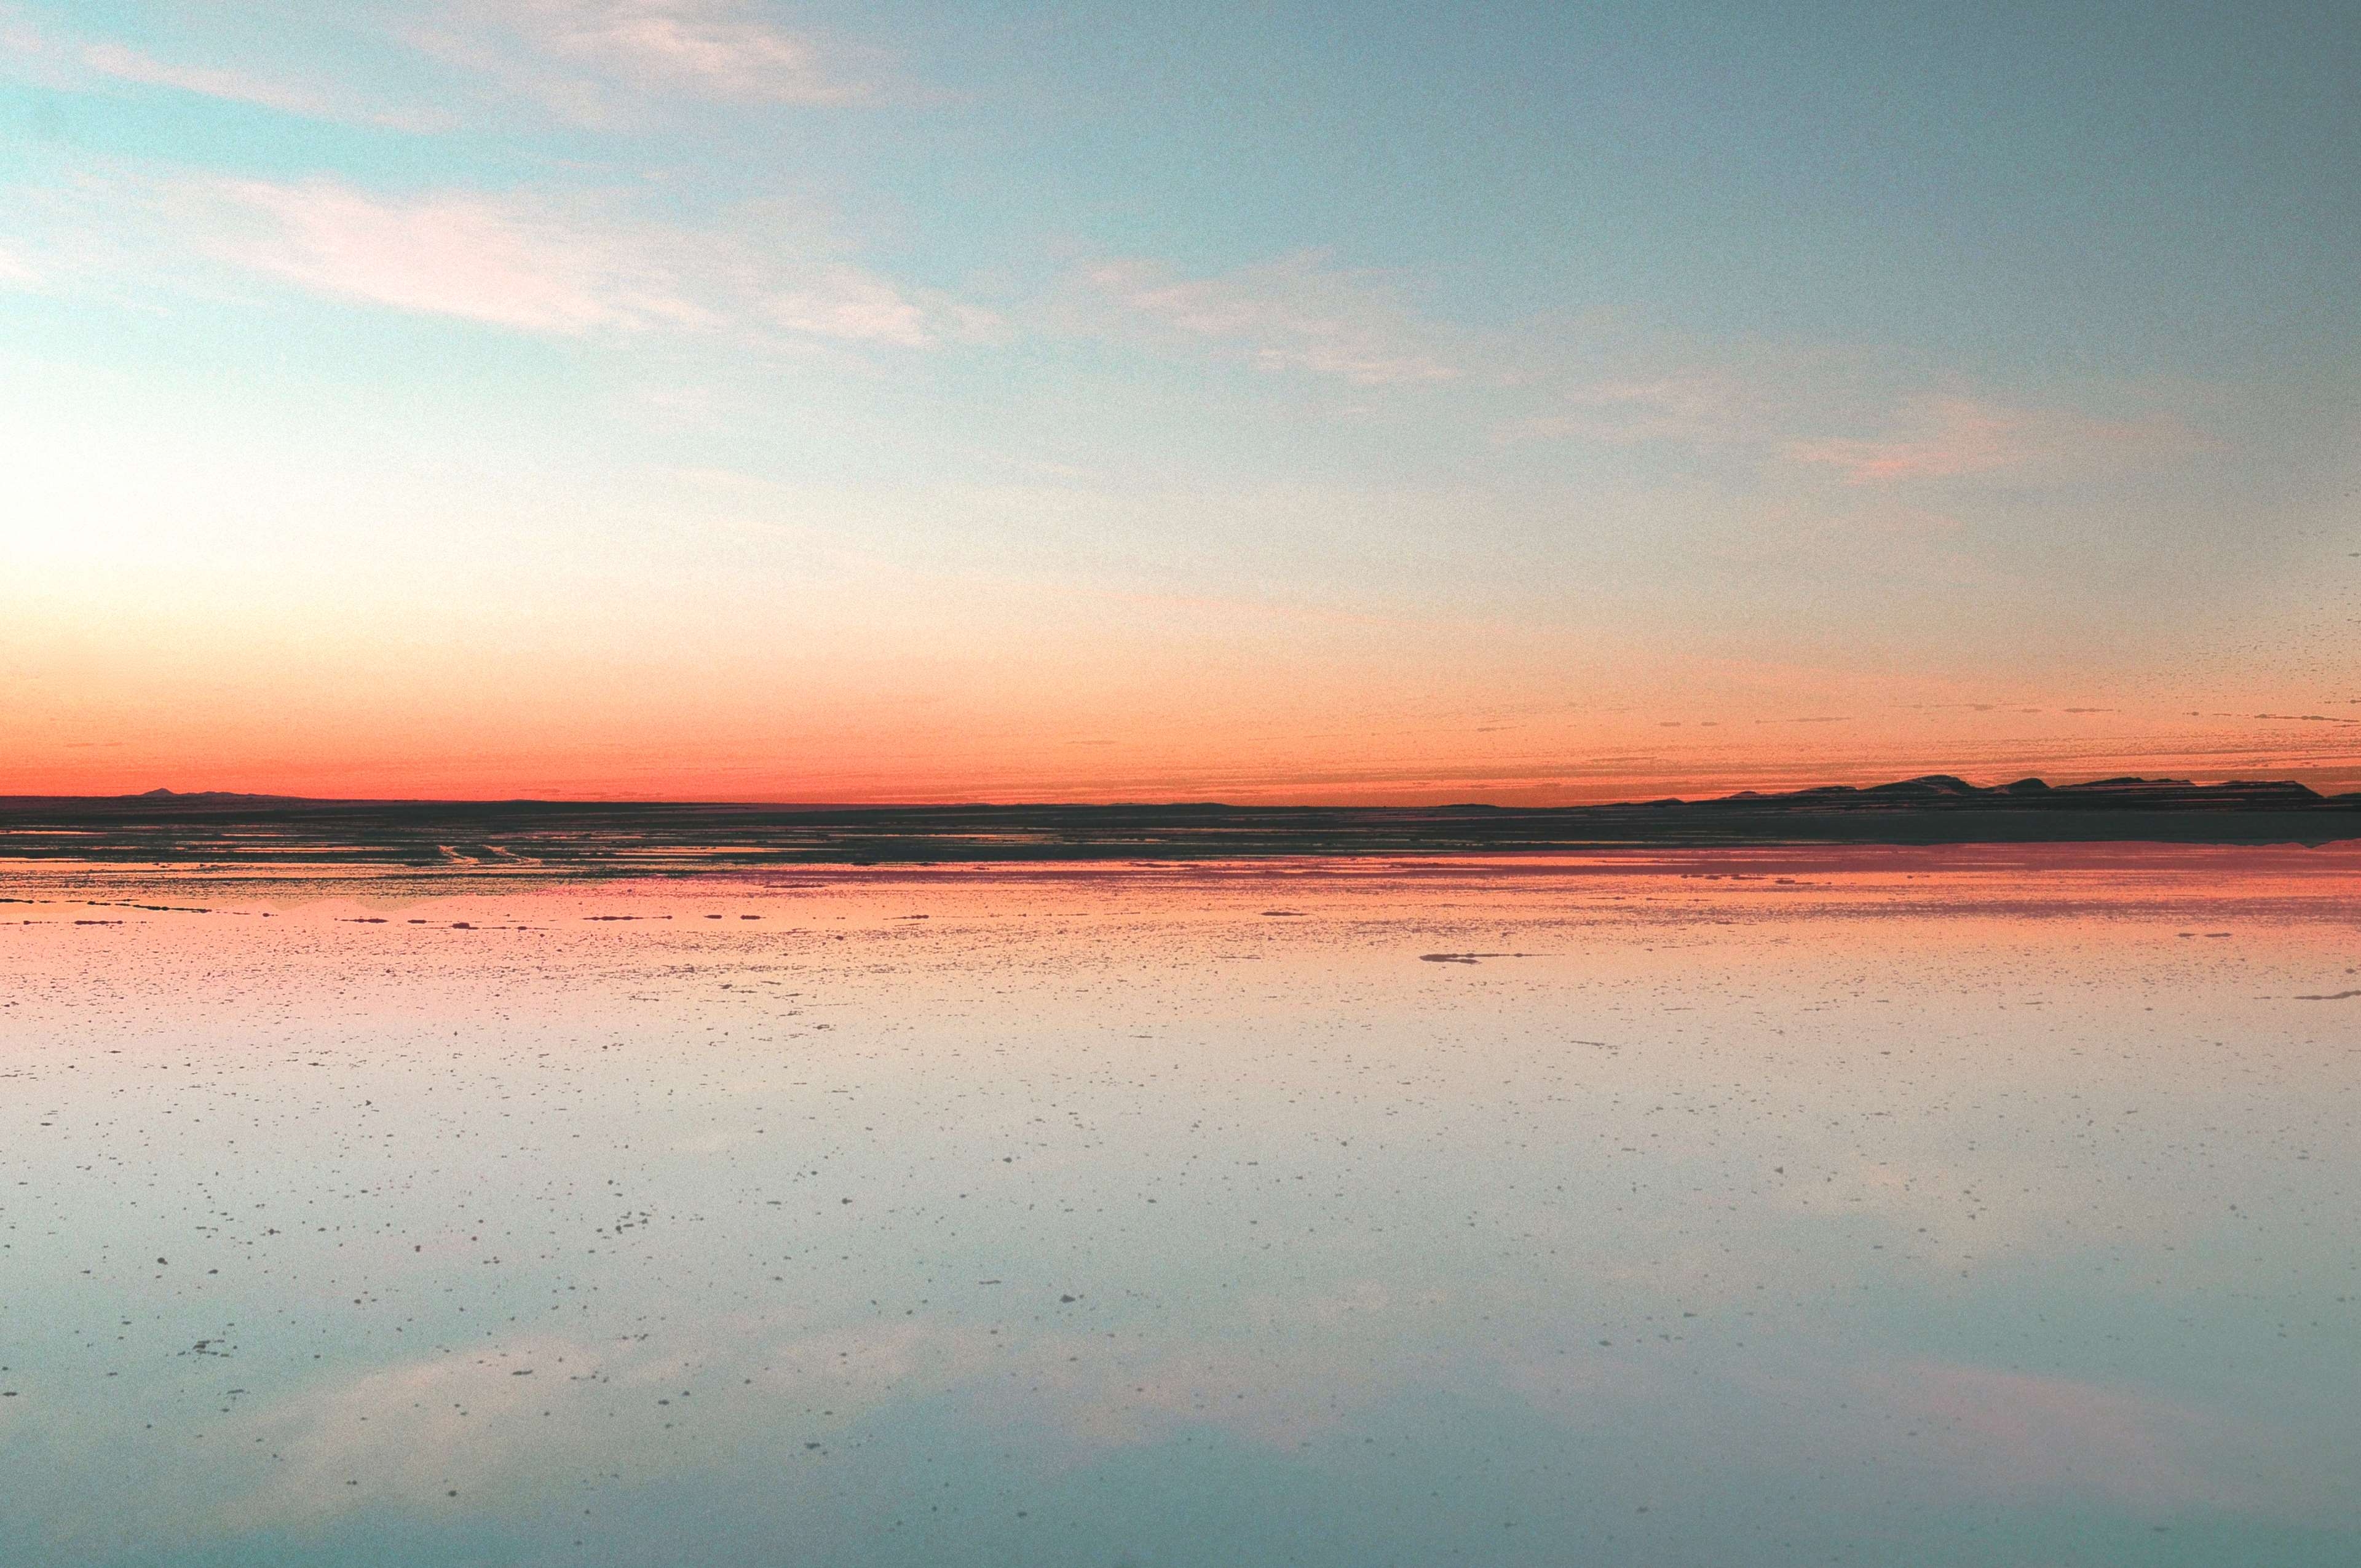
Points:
(1938, 1206)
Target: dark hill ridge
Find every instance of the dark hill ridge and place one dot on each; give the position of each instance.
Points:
(526, 836)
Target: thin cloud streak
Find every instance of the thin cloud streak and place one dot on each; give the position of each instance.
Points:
(559, 267)
(1298, 312)
(1696, 407)
(478, 258)
(235, 86)
(848, 303)
(79, 64)
(1959, 437)
(598, 62)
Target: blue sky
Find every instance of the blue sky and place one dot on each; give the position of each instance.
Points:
(1391, 402)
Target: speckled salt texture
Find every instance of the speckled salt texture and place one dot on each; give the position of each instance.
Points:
(1875, 1207)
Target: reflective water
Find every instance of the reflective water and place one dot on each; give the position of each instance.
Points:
(1876, 1207)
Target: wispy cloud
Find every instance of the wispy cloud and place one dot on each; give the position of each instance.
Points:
(711, 47)
(503, 261)
(1298, 312)
(1959, 437)
(545, 265)
(1695, 406)
(594, 60)
(1780, 409)
(237, 86)
(846, 302)
(78, 63)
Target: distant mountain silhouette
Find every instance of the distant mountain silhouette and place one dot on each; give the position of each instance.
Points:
(519, 836)
(195, 796)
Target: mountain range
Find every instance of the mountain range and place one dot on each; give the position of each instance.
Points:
(163, 827)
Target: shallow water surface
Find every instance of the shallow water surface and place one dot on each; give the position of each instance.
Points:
(1874, 1206)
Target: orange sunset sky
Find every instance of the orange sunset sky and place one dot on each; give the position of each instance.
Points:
(470, 401)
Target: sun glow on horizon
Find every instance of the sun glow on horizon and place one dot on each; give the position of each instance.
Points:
(682, 400)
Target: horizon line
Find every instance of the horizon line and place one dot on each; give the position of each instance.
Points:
(166, 793)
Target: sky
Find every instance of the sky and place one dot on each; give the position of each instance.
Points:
(712, 398)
